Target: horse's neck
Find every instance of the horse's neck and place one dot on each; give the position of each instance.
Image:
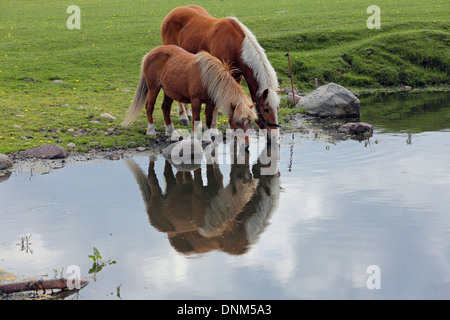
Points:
(249, 76)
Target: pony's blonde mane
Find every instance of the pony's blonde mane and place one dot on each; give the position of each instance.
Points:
(226, 206)
(222, 88)
(254, 56)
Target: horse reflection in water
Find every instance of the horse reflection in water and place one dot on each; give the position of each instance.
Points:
(199, 218)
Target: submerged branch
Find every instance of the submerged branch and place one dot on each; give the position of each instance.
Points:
(35, 285)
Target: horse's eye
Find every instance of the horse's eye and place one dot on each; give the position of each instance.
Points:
(238, 123)
(266, 110)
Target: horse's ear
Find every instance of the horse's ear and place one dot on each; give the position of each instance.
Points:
(265, 94)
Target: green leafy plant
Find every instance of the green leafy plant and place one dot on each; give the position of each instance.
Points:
(98, 262)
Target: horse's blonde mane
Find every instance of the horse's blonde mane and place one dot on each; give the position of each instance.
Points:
(255, 58)
(222, 88)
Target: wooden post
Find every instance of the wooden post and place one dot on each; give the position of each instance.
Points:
(290, 76)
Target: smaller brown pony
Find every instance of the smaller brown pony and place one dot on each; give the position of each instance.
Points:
(189, 78)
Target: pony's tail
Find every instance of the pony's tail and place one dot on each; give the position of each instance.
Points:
(138, 101)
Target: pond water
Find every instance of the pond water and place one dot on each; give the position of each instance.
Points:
(339, 219)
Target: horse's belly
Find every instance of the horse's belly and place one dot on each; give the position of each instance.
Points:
(183, 87)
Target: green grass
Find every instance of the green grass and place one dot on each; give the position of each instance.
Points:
(99, 64)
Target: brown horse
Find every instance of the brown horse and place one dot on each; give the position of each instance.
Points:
(189, 78)
(194, 29)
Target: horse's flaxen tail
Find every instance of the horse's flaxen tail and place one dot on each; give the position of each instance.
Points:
(138, 101)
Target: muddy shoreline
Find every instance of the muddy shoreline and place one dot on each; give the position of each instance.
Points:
(307, 126)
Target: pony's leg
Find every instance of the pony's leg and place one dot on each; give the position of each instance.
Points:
(170, 130)
(209, 110)
(211, 132)
(169, 177)
(156, 201)
(182, 114)
(188, 111)
(214, 119)
(149, 107)
(196, 124)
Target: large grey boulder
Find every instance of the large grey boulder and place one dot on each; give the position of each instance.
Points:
(184, 155)
(48, 151)
(5, 162)
(331, 101)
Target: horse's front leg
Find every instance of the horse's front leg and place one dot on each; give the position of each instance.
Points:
(211, 133)
(196, 106)
(170, 130)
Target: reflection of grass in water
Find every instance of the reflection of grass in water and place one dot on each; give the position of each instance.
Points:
(407, 112)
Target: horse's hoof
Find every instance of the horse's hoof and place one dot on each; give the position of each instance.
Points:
(174, 136)
(184, 122)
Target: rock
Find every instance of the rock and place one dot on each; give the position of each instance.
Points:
(30, 80)
(406, 88)
(355, 128)
(66, 105)
(5, 162)
(71, 145)
(296, 97)
(47, 151)
(4, 176)
(113, 157)
(107, 116)
(331, 100)
(141, 149)
(185, 155)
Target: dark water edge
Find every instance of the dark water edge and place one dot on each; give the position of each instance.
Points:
(407, 111)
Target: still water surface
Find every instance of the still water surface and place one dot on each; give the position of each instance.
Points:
(340, 218)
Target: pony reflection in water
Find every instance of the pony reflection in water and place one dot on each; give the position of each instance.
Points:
(199, 218)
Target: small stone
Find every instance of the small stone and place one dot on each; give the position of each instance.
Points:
(296, 97)
(48, 151)
(356, 128)
(66, 105)
(407, 88)
(141, 149)
(71, 145)
(17, 126)
(107, 116)
(5, 162)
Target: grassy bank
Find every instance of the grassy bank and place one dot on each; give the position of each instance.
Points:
(55, 82)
